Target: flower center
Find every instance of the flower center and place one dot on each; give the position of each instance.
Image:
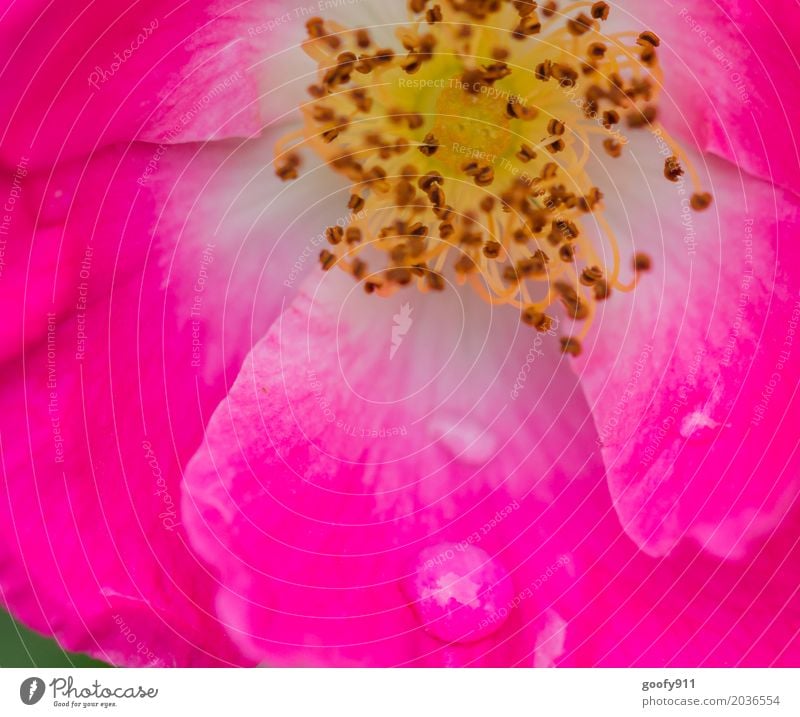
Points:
(468, 151)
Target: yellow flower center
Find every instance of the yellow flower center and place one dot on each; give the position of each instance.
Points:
(468, 150)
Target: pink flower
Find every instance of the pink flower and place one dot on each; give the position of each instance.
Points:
(215, 453)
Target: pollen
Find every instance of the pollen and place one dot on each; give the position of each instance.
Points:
(467, 144)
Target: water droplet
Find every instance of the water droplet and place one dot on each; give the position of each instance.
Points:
(460, 592)
(465, 439)
(697, 424)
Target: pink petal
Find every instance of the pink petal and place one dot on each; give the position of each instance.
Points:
(365, 506)
(77, 76)
(728, 69)
(692, 377)
(146, 322)
(692, 610)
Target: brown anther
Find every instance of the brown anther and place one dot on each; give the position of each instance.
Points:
(430, 145)
(567, 253)
(484, 177)
(359, 269)
(446, 230)
(526, 153)
(544, 71)
(580, 25)
(435, 281)
(399, 275)
(672, 169)
(487, 205)
(288, 168)
(557, 146)
(412, 63)
(500, 53)
(601, 290)
(315, 27)
(701, 201)
(566, 76)
(549, 171)
(524, 7)
(496, 71)
(610, 118)
(429, 181)
(648, 37)
(538, 320)
(591, 275)
(334, 234)
(465, 265)
(316, 91)
(571, 347)
(491, 250)
(331, 134)
(556, 127)
(352, 235)
(521, 235)
(574, 304)
(516, 110)
(361, 99)
(415, 120)
(322, 114)
(527, 26)
(612, 147)
(597, 50)
(588, 202)
(399, 253)
(648, 55)
(326, 259)
(642, 262)
(417, 5)
(356, 203)
(567, 229)
(642, 117)
(434, 15)
(363, 39)
(600, 11)
(549, 9)
(371, 286)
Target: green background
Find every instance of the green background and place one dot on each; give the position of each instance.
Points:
(20, 647)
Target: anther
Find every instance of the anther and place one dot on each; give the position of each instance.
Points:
(580, 25)
(600, 11)
(539, 320)
(556, 127)
(326, 259)
(701, 201)
(672, 169)
(571, 346)
(642, 262)
(334, 234)
(648, 37)
(430, 145)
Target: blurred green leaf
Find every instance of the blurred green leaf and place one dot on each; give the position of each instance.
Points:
(20, 647)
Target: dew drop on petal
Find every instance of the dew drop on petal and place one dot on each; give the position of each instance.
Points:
(698, 425)
(460, 593)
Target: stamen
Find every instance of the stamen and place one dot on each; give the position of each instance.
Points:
(467, 151)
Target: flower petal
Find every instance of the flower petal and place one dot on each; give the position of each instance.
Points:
(692, 377)
(76, 77)
(396, 481)
(122, 323)
(728, 87)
